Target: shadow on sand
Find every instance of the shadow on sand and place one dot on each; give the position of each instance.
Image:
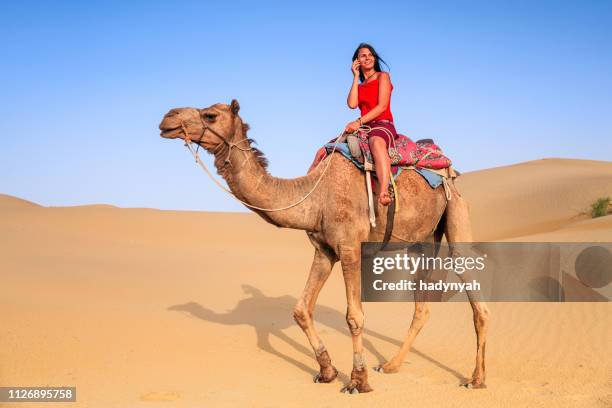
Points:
(269, 316)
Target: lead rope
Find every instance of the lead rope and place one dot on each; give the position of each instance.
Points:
(196, 156)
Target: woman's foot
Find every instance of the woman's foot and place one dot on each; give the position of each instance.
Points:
(384, 198)
(319, 156)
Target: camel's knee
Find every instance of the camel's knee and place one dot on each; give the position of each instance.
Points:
(301, 315)
(355, 320)
(349, 257)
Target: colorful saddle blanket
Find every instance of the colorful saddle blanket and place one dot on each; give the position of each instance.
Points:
(433, 179)
(405, 152)
(423, 155)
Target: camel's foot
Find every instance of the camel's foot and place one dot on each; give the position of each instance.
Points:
(328, 372)
(474, 384)
(359, 382)
(387, 368)
(326, 375)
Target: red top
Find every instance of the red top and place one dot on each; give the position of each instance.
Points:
(367, 97)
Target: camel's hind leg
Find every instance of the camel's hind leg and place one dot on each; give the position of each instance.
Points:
(458, 229)
(421, 315)
(319, 272)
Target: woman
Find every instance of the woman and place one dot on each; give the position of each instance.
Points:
(371, 92)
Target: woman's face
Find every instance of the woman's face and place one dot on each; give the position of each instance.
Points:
(366, 59)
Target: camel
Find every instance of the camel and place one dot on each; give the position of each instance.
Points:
(335, 218)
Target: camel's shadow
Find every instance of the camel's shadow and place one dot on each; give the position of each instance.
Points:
(269, 316)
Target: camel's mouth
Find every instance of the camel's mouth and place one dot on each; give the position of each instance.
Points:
(171, 133)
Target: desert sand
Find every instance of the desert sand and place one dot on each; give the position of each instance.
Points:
(140, 307)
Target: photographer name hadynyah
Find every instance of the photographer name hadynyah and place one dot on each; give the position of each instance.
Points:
(439, 285)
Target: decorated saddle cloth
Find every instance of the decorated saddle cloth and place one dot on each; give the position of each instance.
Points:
(405, 152)
(420, 156)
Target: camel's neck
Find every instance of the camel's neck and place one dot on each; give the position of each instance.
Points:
(248, 179)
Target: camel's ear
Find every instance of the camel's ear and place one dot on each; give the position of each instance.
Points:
(234, 107)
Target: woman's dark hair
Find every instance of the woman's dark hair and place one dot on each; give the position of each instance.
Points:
(377, 58)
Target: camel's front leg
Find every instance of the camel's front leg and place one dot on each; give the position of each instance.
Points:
(319, 272)
(351, 262)
(421, 315)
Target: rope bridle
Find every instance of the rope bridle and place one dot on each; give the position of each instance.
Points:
(229, 144)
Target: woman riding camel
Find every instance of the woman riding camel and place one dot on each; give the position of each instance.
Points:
(371, 92)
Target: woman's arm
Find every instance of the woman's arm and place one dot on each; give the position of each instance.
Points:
(353, 100)
(384, 96)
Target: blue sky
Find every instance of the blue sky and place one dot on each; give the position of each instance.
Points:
(85, 85)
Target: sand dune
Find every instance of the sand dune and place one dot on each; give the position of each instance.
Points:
(534, 197)
(8, 202)
(138, 306)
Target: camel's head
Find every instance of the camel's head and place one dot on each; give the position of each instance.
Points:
(221, 120)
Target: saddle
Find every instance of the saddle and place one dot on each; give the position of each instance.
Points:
(423, 156)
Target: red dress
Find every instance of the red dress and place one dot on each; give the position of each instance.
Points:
(367, 97)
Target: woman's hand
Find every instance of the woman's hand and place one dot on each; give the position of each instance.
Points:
(355, 68)
(352, 126)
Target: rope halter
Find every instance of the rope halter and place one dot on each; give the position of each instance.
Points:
(225, 140)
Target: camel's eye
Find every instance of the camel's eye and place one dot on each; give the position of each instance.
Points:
(210, 116)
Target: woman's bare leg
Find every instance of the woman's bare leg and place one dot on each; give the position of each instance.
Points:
(382, 163)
